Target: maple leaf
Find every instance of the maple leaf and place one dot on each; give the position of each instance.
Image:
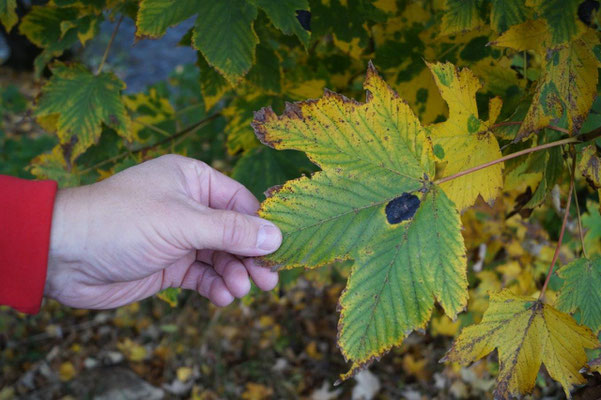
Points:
(374, 202)
(464, 141)
(8, 14)
(81, 103)
(580, 291)
(590, 166)
(526, 333)
(460, 16)
(564, 93)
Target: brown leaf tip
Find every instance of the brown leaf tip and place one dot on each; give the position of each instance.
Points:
(262, 117)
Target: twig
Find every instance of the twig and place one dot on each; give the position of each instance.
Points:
(561, 232)
(505, 158)
(152, 127)
(574, 139)
(192, 128)
(108, 46)
(579, 219)
(509, 123)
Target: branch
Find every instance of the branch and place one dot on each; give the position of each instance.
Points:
(108, 46)
(183, 132)
(509, 123)
(575, 139)
(561, 232)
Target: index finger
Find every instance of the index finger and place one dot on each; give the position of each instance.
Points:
(225, 193)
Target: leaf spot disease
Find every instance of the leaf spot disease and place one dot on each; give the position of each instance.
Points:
(402, 208)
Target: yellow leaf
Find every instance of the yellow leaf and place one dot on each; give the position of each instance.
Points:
(443, 325)
(256, 391)
(132, 350)
(309, 89)
(66, 371)
(529, 35)
(184, 373)
(464, 141)
(312, 351)
(526, 333)
(590, 165)
(417, 368)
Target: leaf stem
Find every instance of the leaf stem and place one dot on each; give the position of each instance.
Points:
(561, 232)
(108, 46)
(574, 139)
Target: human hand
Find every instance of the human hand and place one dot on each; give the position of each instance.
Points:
(169, 222)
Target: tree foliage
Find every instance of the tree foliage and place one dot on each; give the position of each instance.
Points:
(445, 185)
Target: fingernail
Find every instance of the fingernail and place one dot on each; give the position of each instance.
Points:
(268, 238)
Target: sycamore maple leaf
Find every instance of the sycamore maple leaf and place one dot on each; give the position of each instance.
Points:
(374, 201)
(526, 333)
(564, 93)
(463, 140)
(580, 291)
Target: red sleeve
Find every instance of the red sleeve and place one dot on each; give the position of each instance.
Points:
(25, 219)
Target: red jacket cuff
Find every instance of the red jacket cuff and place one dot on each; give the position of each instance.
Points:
(25, 222)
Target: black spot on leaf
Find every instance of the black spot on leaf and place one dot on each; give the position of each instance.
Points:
(304, 17)
(586, 10)
(402, 208)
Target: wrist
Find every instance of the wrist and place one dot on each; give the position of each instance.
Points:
(67, 235)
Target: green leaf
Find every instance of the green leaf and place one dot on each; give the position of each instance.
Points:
(262, 168)
(225, 36)
(266, 74)
(550, 163)
(591, 221)
(8, 14)
(395, 281)
(505, 13)
(81, 102)
(580, 291)
(460, 16)
(282, 14)
(562, 18)
(56, 29)
(170, 296)
(155, 16)
(223, 31)
(373, 202)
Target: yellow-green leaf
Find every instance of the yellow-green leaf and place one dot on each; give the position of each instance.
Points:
(526, 333)
(463, 140)
(8, 14)
(567, 88)
(505, 13)
(53, 165)
(460, 16)
(590, 166)
(83, 102)
(374, 202)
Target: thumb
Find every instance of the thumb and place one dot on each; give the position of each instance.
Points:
(235, 233)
